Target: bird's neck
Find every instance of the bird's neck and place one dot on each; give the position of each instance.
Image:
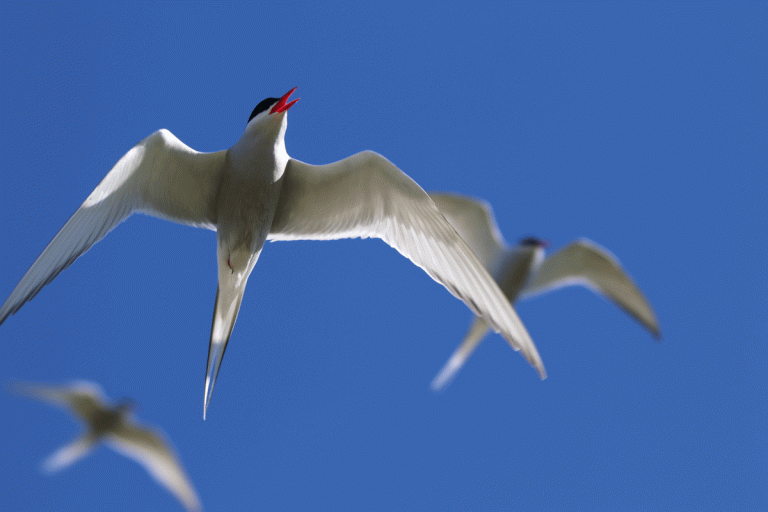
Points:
(515, 268)
(261, 152)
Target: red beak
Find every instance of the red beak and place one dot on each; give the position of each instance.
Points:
(281, 106)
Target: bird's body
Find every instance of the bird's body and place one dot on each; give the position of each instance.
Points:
(106, 420)
(115, 427)
(245, 205)
(523, 271)
(514, 268)
(255, 192)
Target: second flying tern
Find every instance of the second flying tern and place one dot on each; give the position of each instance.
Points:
(523, 271)
(255, 192)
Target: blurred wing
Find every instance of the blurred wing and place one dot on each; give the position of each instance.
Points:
(586, 263)
(155, 454)
(68, 455)
(159, 176)
(83, 398)
(365, 196)
(473, 219)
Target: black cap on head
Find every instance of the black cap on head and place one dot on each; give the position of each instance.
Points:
(532, 241)
(262, 106)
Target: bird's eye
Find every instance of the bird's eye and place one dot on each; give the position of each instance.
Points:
(262, 106)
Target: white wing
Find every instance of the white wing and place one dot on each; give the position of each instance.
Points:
(155, 454)
(86, 399)
(80, 397)
(473, 219)
(68, 454)
(365, 196)
(159, 176)
(587, 264)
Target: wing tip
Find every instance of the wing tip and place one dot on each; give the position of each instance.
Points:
(6, 311)
(534, 360)
(191, 501)
(25, 389)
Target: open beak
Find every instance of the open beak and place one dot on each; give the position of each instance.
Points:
(282, 106)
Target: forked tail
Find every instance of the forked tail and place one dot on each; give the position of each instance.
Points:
(476, 333)
(68, 454)
(228, 298)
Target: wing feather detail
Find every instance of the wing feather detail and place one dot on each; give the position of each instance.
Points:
(366, 196)
(160, 176)
(473, 220)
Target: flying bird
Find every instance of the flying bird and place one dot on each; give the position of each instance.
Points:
(522, 271)
(115, 427)
(255, 192)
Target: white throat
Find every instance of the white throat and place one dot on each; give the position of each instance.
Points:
(261, 148)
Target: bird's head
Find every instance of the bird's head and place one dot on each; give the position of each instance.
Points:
(536, 248)
(264, 135)
(533, 242)
(271, 110)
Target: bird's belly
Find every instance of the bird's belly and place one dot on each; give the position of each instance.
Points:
(246, 210)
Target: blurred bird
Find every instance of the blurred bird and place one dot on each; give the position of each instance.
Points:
(255, 192)
(522, 271)
(116, 427)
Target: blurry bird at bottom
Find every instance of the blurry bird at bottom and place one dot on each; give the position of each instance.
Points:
(114, 426)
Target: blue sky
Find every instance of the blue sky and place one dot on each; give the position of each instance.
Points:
(641, 127)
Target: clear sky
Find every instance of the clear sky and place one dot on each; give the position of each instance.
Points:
(641, 127)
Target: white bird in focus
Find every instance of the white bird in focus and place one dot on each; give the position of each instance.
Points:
(255, 192)
(115, 427)
(522, 271)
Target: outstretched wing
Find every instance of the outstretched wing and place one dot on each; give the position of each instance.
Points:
(159, 176)
(473, 220)
(154, 453)
(587, 264)
(365, 196)
(86, 399)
